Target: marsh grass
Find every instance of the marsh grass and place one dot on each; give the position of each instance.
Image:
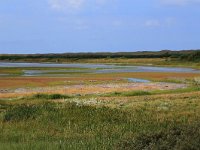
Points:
(154, 92)
(136, 93)
(72, 124)
(50, 96)
(129, 93)
(180, 138)
(24, 112)
(68, 125)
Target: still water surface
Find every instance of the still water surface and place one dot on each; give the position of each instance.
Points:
(92, 68)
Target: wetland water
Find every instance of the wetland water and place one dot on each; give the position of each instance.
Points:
(89, 68)
(136, 80)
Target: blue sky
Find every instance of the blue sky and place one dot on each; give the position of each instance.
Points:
(47, 26)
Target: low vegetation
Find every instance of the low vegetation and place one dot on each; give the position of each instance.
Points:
(177, 137)
(50, 96)
(159, 123)
(127, 119)
(129, 93)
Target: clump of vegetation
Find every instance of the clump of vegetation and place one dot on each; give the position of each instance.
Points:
(194, 56)
(185, 137)
(113, 94)
(129, 93)
(24, 112)
(137, 93)
(50, 96)
(196, 82)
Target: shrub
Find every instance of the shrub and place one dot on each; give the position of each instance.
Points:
(137, 93)
(50, 96)
(184, 138)
(132, 93)
(22, 112)
(196, 82)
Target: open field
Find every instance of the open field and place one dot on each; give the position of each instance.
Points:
(141, 122)
(82, 110)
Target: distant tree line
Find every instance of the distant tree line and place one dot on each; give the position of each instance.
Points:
(189, 55)
(194, 56)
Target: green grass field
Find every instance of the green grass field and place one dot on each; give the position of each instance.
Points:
(45, 122)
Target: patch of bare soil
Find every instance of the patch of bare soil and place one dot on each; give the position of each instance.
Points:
(92, 89)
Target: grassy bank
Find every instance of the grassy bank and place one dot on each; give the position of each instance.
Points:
(160, 123)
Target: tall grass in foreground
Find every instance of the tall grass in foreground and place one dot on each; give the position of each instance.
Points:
(70, 126)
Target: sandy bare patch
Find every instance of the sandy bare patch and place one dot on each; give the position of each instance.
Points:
(92, 89)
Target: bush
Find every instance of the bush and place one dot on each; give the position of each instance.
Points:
(183, 138)
(196, 82)
(132, 93)
(137, 93)
(22, 112)
(50, 96)
(194, 56)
